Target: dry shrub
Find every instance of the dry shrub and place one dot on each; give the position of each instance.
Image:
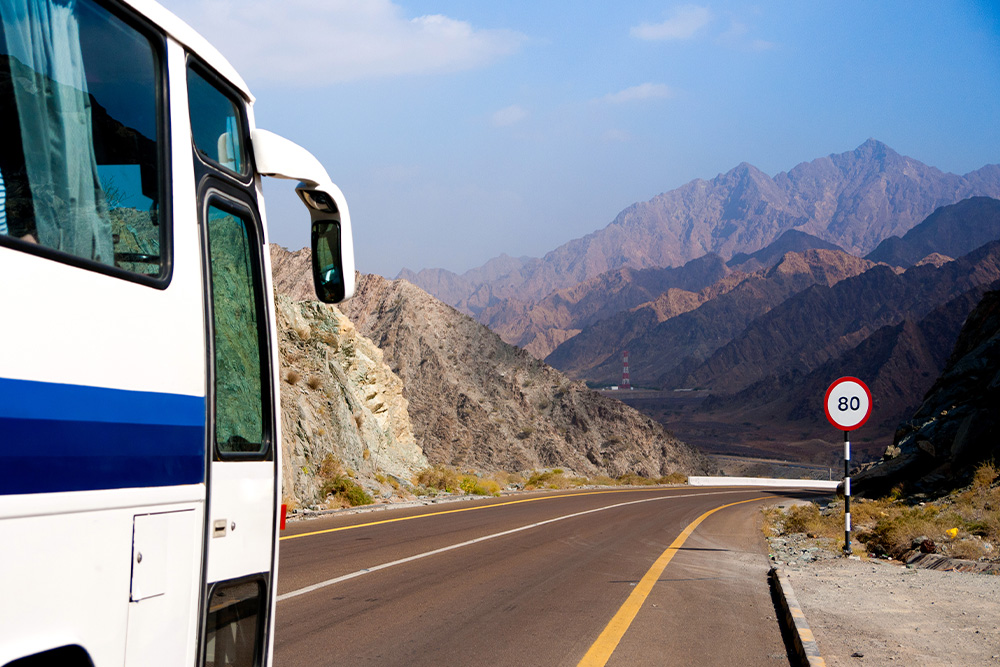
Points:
(478, 487)
(507, 479)
(314, 382)
(439, 477)
(673, 478)
(968, 548)
(292, 376)
(893, 534)
(603, 480)
(632, 479)
(549, 479)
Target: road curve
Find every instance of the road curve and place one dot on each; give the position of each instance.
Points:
(533, 580)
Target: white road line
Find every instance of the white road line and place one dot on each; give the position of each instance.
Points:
(401, 561)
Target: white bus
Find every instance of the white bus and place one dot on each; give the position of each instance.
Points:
(139, 420)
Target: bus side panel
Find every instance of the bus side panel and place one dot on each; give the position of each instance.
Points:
(74, 480)
(67, 576)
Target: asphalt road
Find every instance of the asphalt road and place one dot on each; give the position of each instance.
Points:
(533, 580)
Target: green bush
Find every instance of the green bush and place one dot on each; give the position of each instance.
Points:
(346, 489)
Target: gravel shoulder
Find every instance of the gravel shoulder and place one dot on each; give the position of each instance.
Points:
(870, 612)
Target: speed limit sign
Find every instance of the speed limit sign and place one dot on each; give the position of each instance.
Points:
(848, 403)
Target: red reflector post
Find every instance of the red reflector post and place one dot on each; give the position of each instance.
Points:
(284, 515)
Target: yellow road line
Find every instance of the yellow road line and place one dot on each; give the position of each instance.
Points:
(601, 650)
(463, 509)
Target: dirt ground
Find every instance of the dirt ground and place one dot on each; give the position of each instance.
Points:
(878, 613)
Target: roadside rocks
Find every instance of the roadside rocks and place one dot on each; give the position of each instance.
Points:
(799, 549)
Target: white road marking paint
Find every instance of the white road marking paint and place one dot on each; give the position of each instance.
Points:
(409, 559)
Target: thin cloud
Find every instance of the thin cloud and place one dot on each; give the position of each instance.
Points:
(684, 24)
(737, 37)
(645, 91)
(302, 42)
(508, 116)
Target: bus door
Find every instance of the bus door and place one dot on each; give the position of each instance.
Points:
(242, 471)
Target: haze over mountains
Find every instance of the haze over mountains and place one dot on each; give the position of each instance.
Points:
(756, 289)
(853, 200)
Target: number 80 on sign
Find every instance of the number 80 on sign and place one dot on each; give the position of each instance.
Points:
(848, 403)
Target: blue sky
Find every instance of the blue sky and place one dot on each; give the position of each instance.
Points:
(461, 130)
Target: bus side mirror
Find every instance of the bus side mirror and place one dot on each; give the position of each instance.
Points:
(332, 245)
(332, 239)
(327, 262)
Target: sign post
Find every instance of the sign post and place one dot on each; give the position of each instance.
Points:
(848, 405)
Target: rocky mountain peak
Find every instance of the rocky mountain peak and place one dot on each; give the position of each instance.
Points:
(853, 200)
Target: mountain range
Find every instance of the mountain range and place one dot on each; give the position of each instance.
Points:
(853, 200)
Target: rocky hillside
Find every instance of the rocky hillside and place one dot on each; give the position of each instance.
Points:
(691, 337)
(479, 403)
(854, 200)
(541, 327)
(957, 426)
(339, 400)
(951, 231)
(790, 241)
(898, 362)
(824, 321)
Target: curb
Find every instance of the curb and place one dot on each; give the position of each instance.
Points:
(795, 621)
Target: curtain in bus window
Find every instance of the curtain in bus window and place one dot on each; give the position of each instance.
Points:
(42, 39)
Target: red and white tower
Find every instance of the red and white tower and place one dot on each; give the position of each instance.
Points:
(626, 384)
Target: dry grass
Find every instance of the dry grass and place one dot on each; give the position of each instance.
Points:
(444, 478)
(439, 477)
(965, 524)
(558, 479)
(314, 382)
(292, 376)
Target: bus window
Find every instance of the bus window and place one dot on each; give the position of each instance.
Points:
(235, 612)
(81, 160)
(216, 125)
(236, 303)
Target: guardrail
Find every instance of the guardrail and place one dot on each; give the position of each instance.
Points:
(764, 481)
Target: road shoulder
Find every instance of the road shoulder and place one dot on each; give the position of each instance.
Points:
(876, 613)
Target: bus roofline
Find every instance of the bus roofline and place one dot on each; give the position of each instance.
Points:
(193, 41)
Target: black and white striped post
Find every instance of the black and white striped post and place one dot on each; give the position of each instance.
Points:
(848, 405)
(847, 493)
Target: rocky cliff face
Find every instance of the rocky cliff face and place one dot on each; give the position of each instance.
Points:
(958, 425)
(339, 399)
(479, 403)
(854, 200)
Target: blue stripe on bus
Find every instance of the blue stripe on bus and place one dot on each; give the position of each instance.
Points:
(57, 437)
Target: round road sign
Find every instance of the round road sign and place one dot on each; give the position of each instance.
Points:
(848, 403)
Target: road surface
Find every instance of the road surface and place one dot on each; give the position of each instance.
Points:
(594, 577)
